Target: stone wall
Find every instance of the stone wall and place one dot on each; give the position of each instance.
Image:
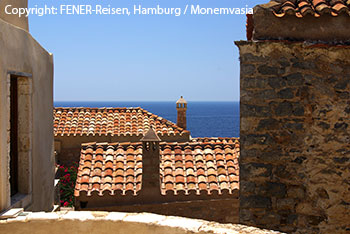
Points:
(325, 28)
(118, 223)
(295, 156)
(222, 211)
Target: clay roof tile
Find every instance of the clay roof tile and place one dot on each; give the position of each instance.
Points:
(313, 7)
(203, 165)
(109, 121)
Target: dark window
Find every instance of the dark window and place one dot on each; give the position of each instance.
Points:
(14, 135)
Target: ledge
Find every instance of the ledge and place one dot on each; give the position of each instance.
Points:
(20, 74)
(21, 200)
(104, 222)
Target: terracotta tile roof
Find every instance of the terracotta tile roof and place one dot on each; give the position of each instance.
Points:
(217, 140)
(316, 8)
(110, 121)
(202, 166)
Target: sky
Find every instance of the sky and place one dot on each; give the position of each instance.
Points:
(143, 57)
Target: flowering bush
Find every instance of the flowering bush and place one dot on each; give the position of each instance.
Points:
(67, 183)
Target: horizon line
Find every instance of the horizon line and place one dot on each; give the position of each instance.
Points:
(149, 101)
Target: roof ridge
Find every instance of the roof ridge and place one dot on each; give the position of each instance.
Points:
(300, 8)
(115, 121)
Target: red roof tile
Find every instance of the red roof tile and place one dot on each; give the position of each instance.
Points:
(110, 121)
(204, 165)
(316, 8)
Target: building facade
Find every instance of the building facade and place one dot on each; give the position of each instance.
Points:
(26, 102)
(294, 164)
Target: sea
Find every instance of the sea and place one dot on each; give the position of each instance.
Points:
(204, 119)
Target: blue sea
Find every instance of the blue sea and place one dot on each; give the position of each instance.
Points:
(204, 119)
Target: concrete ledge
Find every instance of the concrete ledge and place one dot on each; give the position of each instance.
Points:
(115, 222)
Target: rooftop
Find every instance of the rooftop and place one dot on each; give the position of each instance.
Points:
(110, 121)
(202, 166)
(315, 8)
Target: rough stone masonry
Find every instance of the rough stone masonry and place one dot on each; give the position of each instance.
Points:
(295, 154)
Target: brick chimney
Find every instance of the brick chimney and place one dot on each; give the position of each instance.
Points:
(150, 164)
(181, 106)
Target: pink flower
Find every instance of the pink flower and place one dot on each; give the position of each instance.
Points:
(65, 204)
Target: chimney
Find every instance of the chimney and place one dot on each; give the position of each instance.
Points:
(150, 164)
(181, 107)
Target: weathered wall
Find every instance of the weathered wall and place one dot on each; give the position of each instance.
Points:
(222, 211)
(21, 22)
(21, 53)
(326, 28)
(118, 223)
(295, 158)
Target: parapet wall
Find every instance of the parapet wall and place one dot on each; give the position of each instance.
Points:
(295, 157)
(325, 28)
(222, 211)
(119, 223)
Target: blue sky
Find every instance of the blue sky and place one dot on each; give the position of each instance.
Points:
(143, 58)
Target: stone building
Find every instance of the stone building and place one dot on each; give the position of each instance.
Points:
(294, 162)
(26, 138)
(295, 74)
(74, 126)
(177, 176)
(197, 179)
